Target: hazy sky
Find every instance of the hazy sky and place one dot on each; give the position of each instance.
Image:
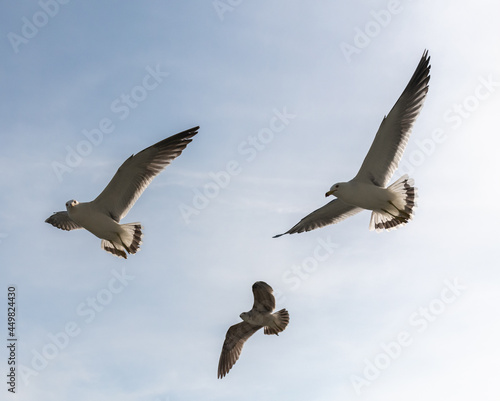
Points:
(288, 96)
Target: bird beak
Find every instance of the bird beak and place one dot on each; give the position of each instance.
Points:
(329, 193)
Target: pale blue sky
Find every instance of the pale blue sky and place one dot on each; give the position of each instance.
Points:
(288, 96)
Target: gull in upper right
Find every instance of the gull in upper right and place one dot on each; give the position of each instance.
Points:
(391, 206)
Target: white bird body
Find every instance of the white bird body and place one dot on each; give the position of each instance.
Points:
(262, 319)
(391, 206)
(97, 222)
(349, 193)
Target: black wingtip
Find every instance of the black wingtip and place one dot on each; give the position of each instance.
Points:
(190, 130)
(279, 235)
(187, 134)
(426, 58)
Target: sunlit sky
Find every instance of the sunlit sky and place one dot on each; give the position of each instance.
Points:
(288, 96)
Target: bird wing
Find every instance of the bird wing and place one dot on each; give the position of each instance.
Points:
(392, 136)
(63, 221)
(233, 344)
(137, 172)
(263, 297)
(331, 213)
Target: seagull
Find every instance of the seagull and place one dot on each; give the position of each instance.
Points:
(102, 216)
(392, 206)
(260, 316)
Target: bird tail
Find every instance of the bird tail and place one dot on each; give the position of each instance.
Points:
(281, 319)
(130, 240)
(400, 209)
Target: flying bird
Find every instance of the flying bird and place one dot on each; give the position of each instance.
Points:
(102, 215)
(260, 316)
(391, 206)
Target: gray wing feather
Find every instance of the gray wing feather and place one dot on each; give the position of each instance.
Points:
(392, 136)
(331, 213)
(137, 172)
(63, 221)
(263, 297)
(233, 344)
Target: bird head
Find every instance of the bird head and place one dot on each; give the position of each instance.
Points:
(244, 316)
(334, 188)
(71, 203)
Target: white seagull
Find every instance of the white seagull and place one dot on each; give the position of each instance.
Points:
(392, 206)
(260, 316)
(102, 216)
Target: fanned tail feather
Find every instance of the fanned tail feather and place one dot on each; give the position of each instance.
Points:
(281, 319)
(113, 248)
(402, 208)
(131, 240)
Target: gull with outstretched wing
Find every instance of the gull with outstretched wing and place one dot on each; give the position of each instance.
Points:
(102, 215)
(391, 206)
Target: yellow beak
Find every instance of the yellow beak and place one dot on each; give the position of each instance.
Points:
(329, 193)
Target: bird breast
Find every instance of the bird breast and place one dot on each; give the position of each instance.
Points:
(366, 196)
(257, 318)
(98, 223)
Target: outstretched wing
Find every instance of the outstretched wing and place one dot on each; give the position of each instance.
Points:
(331, 213)
(263, 297)
(137, 172)
(233, 344)
(63, 221)
(392, 136)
